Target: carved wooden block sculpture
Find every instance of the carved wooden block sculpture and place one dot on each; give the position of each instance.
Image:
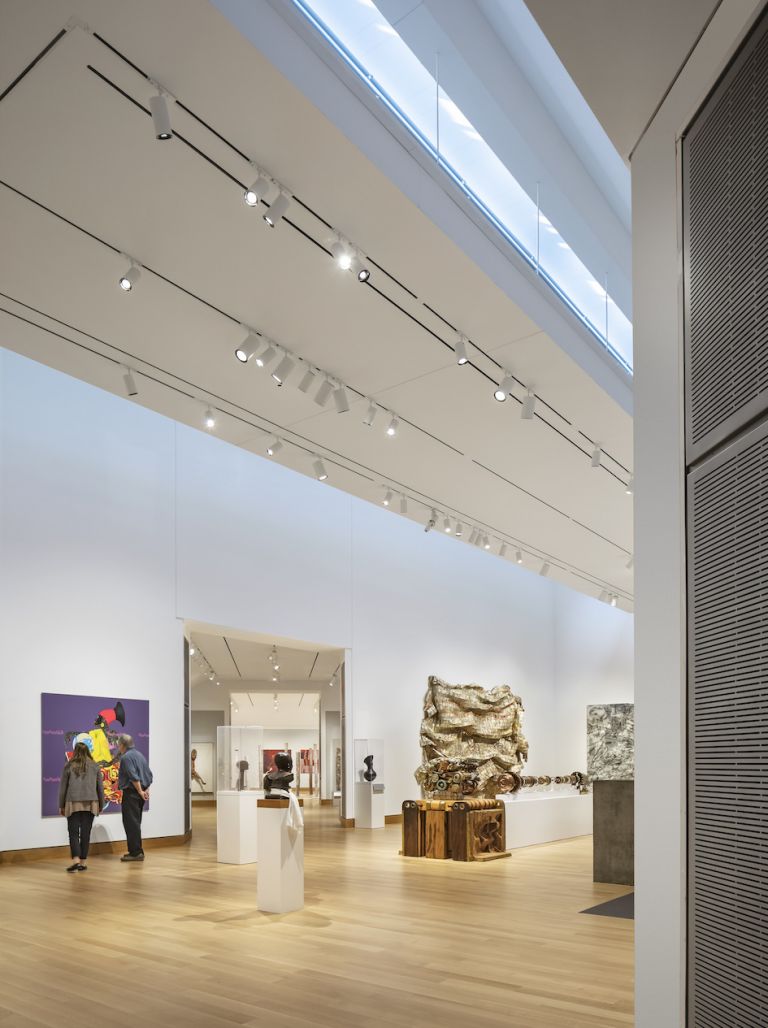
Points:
(468, 829)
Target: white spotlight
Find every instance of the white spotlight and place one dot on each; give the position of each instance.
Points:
(403, 504)
(274, 447)
(460, 350)
(393, 425)
(130, 278)
(597, 456)
(604, 596)
(267, 354)
(387, 498)
(342, 255)
(432, 521)
(447, 526)
(502, 391)
(277, 210)
(256, 192)
(630, 563)
(473, 537)
(629, 488)
(161, 119)
(307, 380)
(544, 569)
(518, 557)
(247, 348)
(459, 530)
(363, 274)
(320, 473)
(131, 388)
(486, 543)
(370, 414)
(192, 651)
(210, 418)
(529, 407)
(322, 394)
(283, 369)
(503, 550)
(614, 600)
(340, 399)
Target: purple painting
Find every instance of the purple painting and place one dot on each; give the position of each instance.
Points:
(103, 719)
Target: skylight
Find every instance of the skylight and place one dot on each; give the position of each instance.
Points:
(372, 48)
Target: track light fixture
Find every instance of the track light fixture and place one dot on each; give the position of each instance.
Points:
(544, 569)
(267, 355)
(209, 418)
(283, 369)
(529, 407)
(403, 504)
(447, 526)
(629, 488)
(502, 391)
(370, 414)
(459, 530)
(473, 537)
(277, 210)
(340, 399)
(604, 596)
(274, 447)
(322, 394)
(192, 651)
(614, 599)
(486, 543)
(319, 468)
(363, 274)
(387, 498)
(247, 348)
(256, 192)
(630, 562)
(342, 255)
(131, 388)
(597, 456)
(503, 550)
(307, 380)
(161, 119)
(393, 425)
(461, 351)
(130, 278)
(431, 522)
(518, 557)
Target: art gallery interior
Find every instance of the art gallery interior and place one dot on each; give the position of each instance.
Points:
(382, 458)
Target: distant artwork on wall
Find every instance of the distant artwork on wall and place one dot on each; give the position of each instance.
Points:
(101, 719)
(611, 741)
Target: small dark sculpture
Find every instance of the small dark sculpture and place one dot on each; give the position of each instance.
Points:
(369, 774)
(242, 766)
(280, 778)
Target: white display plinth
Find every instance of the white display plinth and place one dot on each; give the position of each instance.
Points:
(236, 831)
(369, 806)
(280, 880)
(545, 817)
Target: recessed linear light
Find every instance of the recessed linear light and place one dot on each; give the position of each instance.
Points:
(277, 210)
(130, 278)
(161, 119)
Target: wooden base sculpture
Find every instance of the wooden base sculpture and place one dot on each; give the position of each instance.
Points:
(466, 829)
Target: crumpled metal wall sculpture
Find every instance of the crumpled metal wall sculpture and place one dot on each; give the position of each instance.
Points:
(611, 741)
(470, 736)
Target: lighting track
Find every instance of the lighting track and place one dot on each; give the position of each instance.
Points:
(415, 495)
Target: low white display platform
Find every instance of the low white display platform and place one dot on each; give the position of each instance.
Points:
(369, 806)
(545, 817)
(280, 879)
(236, 832)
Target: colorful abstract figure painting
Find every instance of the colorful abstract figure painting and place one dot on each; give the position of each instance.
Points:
(97, 721)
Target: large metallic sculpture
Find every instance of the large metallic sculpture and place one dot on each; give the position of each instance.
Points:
(470, 737)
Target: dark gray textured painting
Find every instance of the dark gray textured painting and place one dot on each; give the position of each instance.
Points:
(611, 741)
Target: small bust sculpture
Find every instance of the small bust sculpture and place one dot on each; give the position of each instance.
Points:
(369, 774)
(242, 766)
(281, 777)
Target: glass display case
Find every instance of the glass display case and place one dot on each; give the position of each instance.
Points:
(369, 761)
(239, 758)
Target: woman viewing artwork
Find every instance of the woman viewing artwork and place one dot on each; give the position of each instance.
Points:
(81, 798)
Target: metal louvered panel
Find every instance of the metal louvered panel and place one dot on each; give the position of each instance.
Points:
(725, 188)
(728, 737)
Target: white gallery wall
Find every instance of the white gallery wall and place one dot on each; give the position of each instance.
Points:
(116, 525)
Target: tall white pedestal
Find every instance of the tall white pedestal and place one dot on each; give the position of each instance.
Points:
(545, 817)
(369, 806)
(236, 831)
(280, 879)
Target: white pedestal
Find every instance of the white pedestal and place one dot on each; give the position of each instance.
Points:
(280, 879)
(236, 833)
(369, 806)
(545, 817)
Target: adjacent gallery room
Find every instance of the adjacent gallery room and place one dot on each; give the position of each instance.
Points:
(321, 662)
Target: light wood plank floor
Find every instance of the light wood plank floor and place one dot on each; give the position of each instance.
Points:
(382, 941)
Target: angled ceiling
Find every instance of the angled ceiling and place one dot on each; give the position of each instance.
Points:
(623, 56)
(85, 183)
(233, 657)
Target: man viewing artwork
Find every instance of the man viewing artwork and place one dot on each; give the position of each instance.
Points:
(134, 780)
